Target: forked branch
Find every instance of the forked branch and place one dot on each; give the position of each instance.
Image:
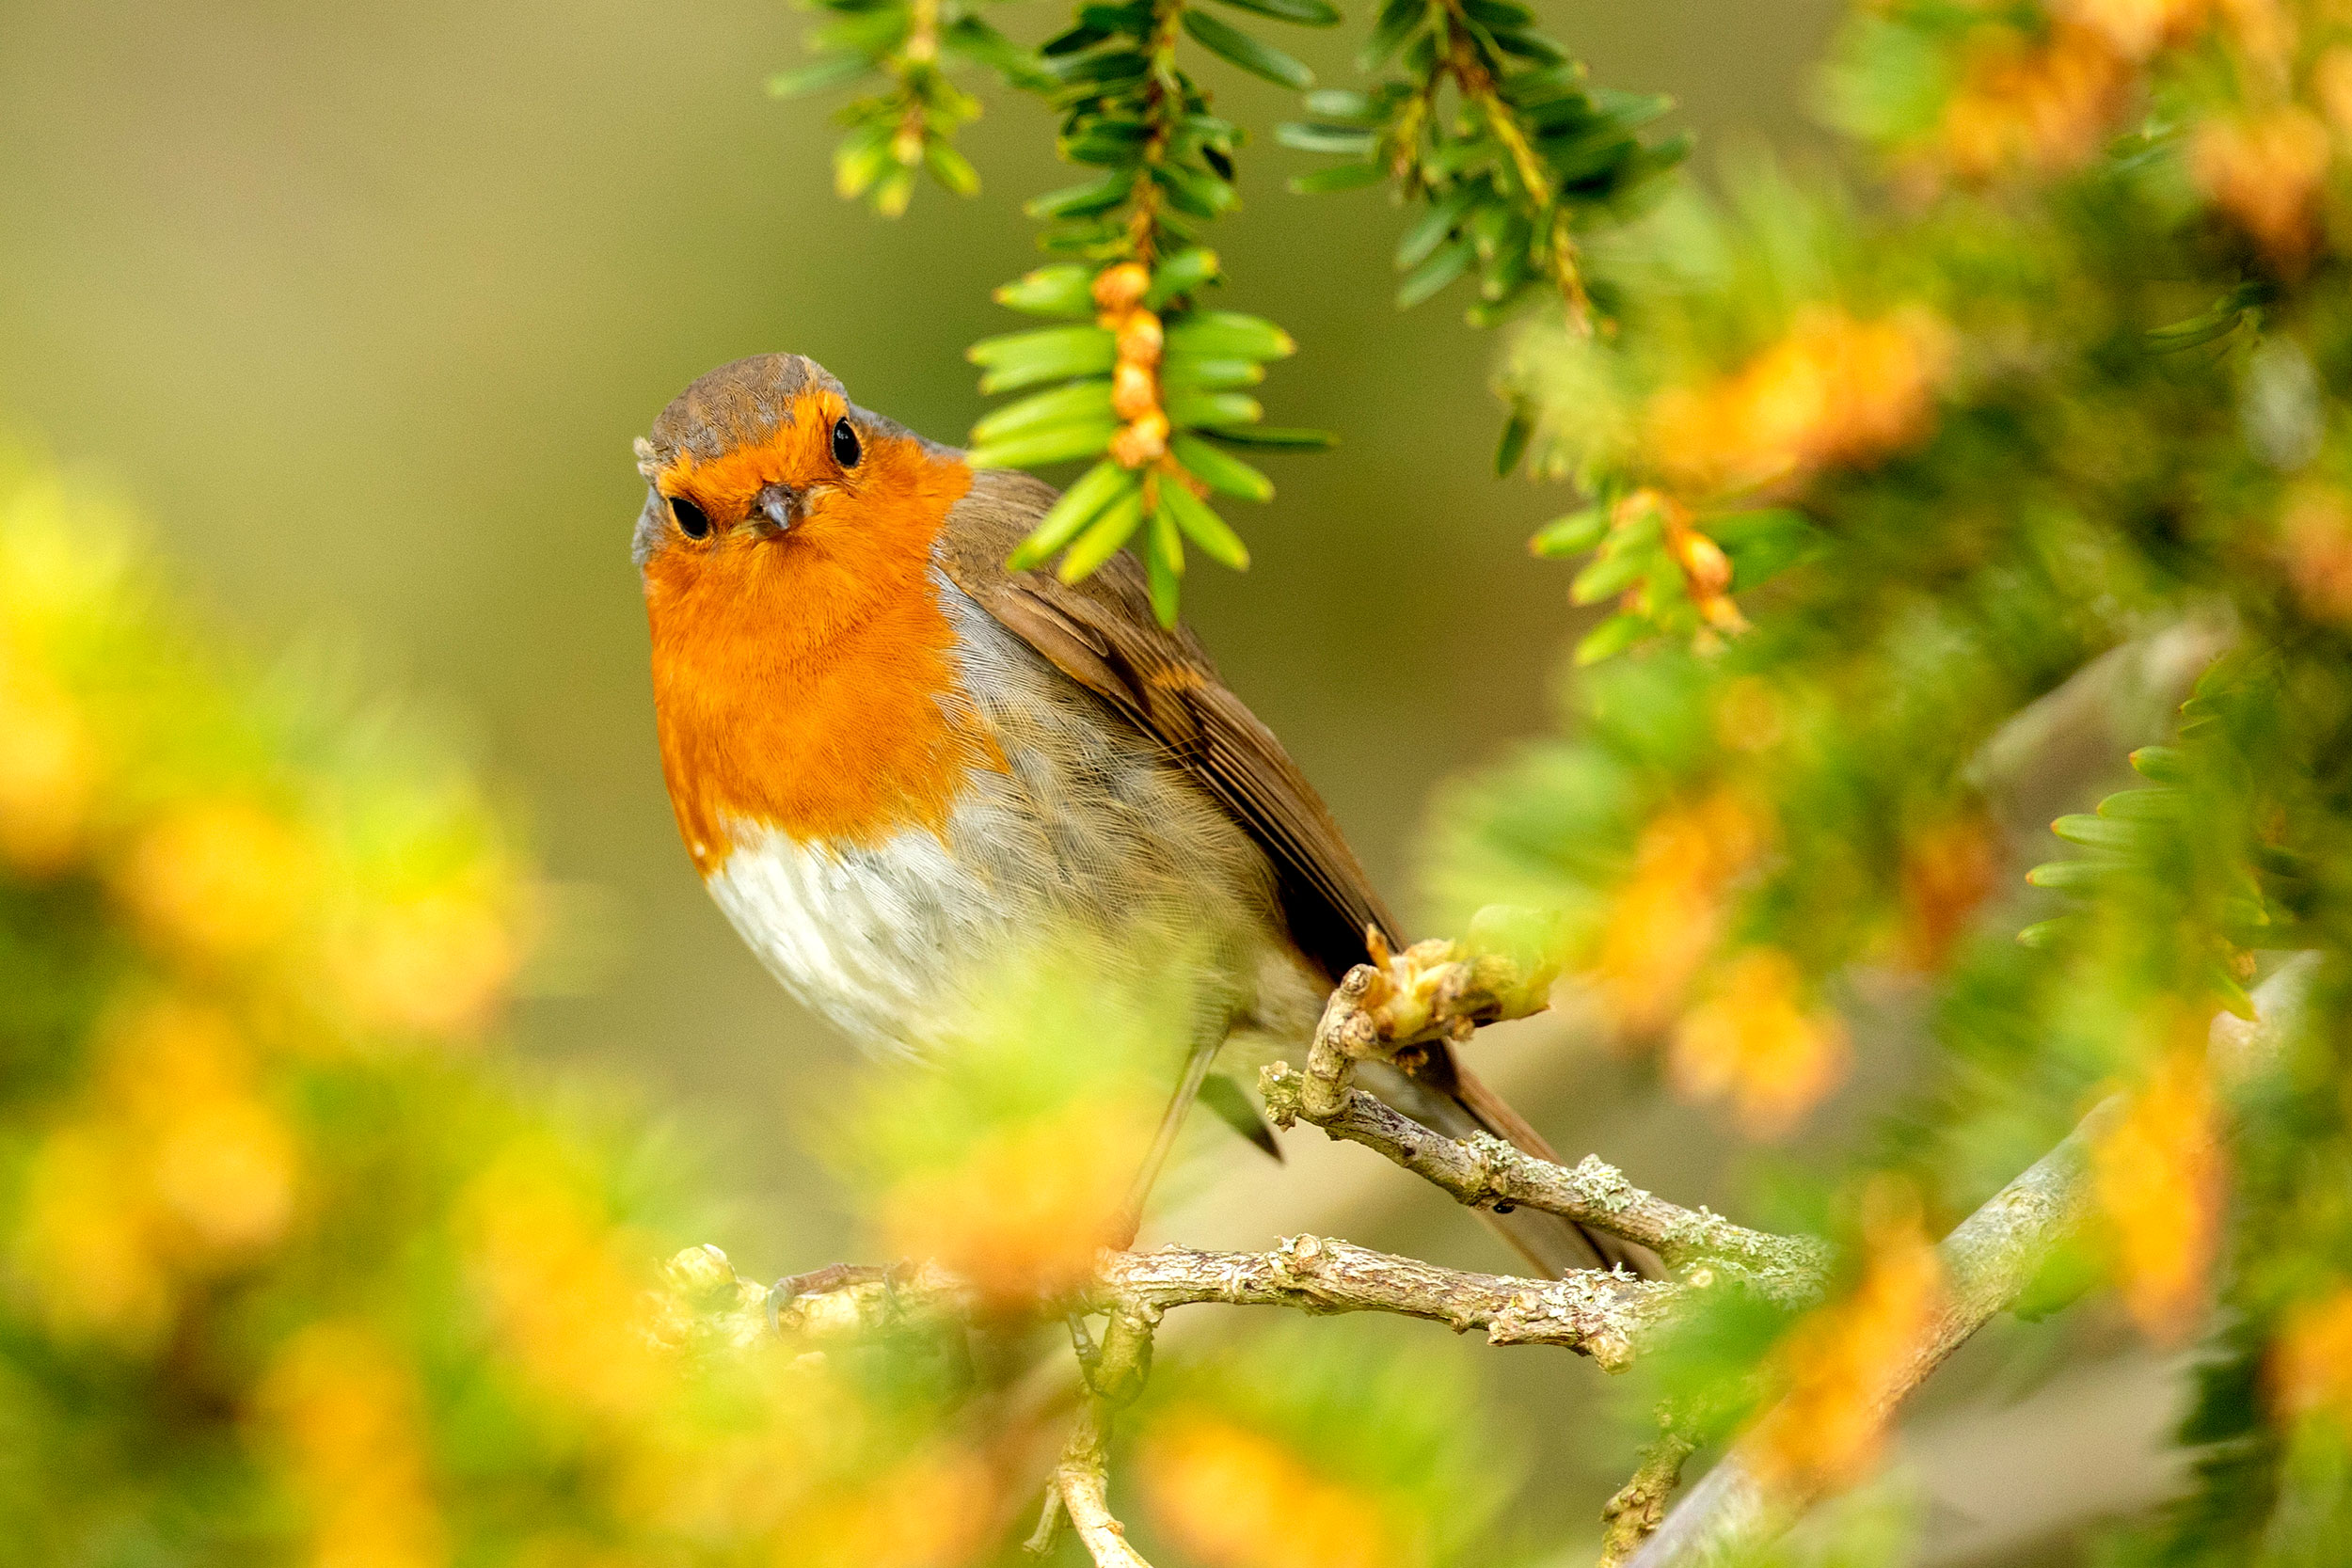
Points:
(1435, 989)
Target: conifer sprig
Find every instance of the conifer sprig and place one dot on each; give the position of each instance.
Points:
(907, 127)
(1150, 385)
(1488, 129)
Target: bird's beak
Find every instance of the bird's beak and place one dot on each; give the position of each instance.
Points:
(776, 508)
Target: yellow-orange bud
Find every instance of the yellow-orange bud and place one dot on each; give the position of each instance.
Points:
(1709, 569)
(1143, 441)
(1118, 288)
(1132, 392)
(1139, 339)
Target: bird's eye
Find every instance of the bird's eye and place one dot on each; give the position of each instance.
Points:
(692, 521)
(844, 444)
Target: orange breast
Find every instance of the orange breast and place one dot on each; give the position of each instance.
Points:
(808, 683)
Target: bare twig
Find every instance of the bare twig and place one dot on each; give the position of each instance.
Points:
(1082, 1481)
(1629, 1517)
(1604, 1315)
(1114, 1374)
(1042, 1539)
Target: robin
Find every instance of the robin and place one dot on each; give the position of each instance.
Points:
(885, 747)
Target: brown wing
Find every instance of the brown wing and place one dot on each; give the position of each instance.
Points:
(1101, 634)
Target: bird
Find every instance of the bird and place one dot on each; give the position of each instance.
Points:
(886, 747)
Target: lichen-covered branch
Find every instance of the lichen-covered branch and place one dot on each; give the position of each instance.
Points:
(1435, 989)
(1602, 1314)
(1483, 1171)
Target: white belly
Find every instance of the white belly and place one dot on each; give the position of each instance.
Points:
(859, 935)
(1090, 830)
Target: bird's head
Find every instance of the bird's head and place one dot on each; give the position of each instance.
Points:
(800, 654)
(763, 472)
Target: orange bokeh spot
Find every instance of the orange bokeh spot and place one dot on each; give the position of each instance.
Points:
(1025, 1209)
(1232, 1498)
(2266, 173)
(48, 774)
(218, 879)
(345, 1411)
(1839, 1365)
(1666, 915)
(1834, 390)
(2040, 106)
(2158, 1176)
(1753, 1043)
(2310, 1370)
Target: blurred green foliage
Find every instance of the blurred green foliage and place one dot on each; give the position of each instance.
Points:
(1867, 474)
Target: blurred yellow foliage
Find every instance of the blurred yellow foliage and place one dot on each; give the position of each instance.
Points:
(2136, 28)
(2331, 87)
(404, 1293)
(1021, 1211)
(224, 1162)
(1232, 1498)
(48, 771)
(174, 1166)
(933, 1508)
(219, 880)
(85, 1242)
(2159, 1179)
(2265, 172)
(1752, 1041)
(1835, 1366)
(1664, 917)
(2038, 106)
(437, 964)
(2309, 1368)
(2315, 537)
(1835, 390)
(562, 1283)
(342, 1408)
